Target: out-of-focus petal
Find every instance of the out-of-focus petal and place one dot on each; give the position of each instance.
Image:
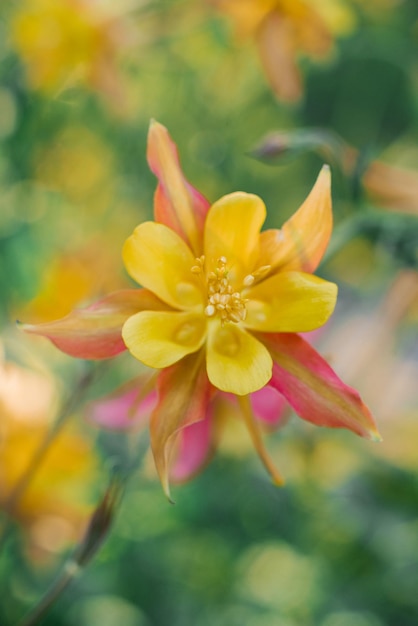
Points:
(268, 406)
(127, 408)
(157, 258)
(176, 204)
(236, 361)
(302, 241)
(246, 14)
(314, 390)
(183, 396)
(312, 34)
(290, 302)
(96, 332)
(392, 187)
(232, 231)
(159, 339)
(277, 48)
(194, 450)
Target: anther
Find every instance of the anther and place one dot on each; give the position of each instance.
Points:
(210, 310)
(200, 262)
(248, 280)
(262, 271)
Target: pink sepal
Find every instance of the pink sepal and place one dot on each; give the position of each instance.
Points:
(269, 406)
(95, 332)
(125, 409)
(313, 389)
(194, 450)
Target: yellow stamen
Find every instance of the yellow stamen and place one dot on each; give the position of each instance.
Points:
(222, 299)
(200, 263)
(256, 275)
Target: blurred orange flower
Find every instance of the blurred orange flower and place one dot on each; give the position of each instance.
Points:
(284, 28)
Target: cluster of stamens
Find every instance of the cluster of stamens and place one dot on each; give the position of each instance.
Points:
(222, 299)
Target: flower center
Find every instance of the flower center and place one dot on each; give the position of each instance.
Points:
(223, 300)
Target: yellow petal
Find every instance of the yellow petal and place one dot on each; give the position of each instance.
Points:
(159, 339)
(156, 257)
(290, 302)
(232, 231)
(302, 241)
(235, 360)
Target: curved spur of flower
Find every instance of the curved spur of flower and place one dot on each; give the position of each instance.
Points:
(219, 310)
(130, 407)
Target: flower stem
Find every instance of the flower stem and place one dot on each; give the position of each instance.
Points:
(96, 533)
(69, 572)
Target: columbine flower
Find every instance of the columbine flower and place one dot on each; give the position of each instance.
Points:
(282, 29)
(220, 307)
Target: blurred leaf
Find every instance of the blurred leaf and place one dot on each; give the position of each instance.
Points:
(368, 101)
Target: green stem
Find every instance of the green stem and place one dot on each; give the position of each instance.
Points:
(68, 574)
(96, 533)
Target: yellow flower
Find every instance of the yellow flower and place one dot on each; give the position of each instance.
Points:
(223, 299)
(63, 40)
(219, 308)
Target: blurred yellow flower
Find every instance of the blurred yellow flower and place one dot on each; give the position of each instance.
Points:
(67, 40)
(79, 164)
(284, 28)
(54, 504)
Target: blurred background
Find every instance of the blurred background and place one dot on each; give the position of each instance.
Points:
(257, 94)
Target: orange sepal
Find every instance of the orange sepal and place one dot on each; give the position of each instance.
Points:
(96, 331)
(183, 396)
(177, 204)
(303, 239)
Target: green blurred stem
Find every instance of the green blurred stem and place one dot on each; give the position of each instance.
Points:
(23, 483)
(58, 587)
(361, 223)
(97, 531)
(395, 231)
(345, 232)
